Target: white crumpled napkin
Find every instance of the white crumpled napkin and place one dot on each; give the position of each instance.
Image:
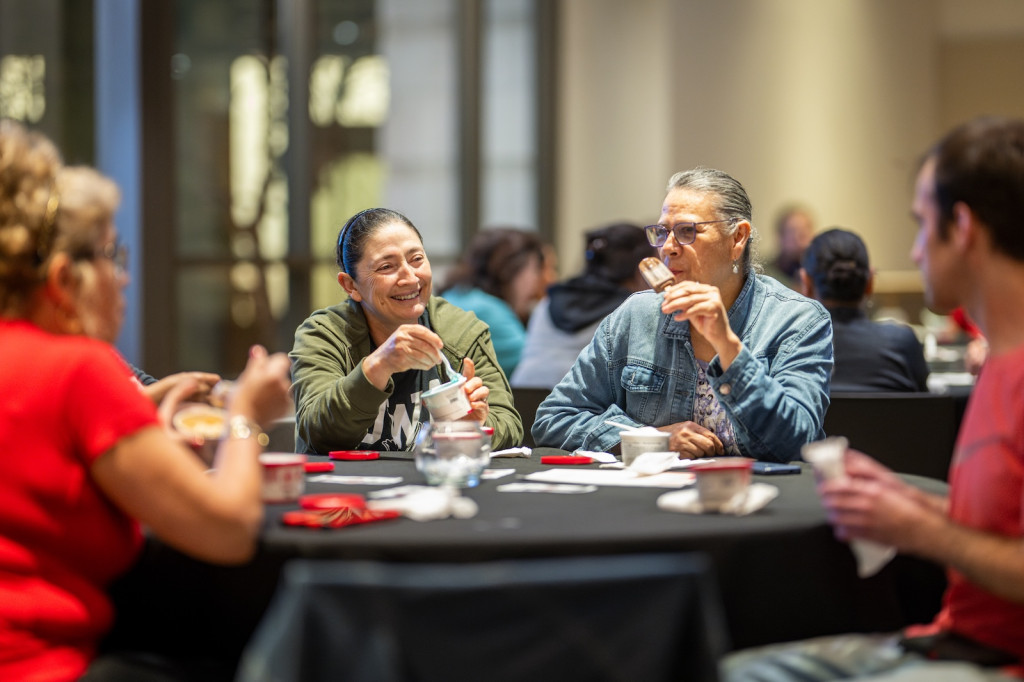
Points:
(756, 496)
(423, 502)
(827, 458)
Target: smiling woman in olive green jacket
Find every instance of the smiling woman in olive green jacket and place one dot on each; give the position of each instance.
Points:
(359, 367)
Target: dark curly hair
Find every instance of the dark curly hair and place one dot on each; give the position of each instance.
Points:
(494, 257)
(614, 251)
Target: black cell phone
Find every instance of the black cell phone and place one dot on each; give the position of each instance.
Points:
(775, 468)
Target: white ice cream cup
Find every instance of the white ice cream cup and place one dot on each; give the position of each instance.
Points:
(447, 402)
(636, 442)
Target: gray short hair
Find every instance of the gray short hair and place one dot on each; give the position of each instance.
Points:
(731, 200)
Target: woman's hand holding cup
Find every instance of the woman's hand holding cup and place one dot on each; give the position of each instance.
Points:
(476, 391)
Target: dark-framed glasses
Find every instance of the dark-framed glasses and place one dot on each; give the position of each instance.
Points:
(684, 233)
(115, 252)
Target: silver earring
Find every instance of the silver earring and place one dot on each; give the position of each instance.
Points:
(735, 268)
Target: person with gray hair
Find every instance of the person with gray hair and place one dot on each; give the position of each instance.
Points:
(725, 360)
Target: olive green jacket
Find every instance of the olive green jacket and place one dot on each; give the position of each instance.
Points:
(335, 404)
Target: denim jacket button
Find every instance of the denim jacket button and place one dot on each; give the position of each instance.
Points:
(725, 389)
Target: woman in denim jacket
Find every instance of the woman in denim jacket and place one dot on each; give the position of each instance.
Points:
(727, 361)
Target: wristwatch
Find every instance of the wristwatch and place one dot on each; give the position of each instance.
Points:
(241, 427)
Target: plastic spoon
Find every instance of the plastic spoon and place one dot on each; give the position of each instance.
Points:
(453, 376)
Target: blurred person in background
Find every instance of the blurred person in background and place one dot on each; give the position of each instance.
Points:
(726, 361)
(360, 366)
(869, 356)
(794, 228)
(84, 459)
(563, 323)
(501, 277)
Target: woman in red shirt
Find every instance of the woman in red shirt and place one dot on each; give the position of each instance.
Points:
(83, 457)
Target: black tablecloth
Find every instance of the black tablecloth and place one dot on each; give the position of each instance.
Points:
(782, 574)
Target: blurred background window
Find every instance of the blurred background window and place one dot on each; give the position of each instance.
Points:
(259, 126)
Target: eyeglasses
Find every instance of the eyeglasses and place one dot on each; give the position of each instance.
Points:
(114, 252)
(684, 233)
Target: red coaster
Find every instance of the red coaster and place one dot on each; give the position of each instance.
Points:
(354, 454)
(327, 501)
(318, 467)
(336, 518)
(566, 459)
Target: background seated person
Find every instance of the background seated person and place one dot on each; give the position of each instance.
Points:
(794, 228)
(726, 361)
(869, 356)
(564, 322)
(85, 459)
(500, 277)
(361, 365)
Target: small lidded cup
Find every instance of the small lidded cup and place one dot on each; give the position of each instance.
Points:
(722, 481)
(636, 442)
(284, 476)
(447, 401)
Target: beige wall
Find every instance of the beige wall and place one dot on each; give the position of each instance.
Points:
(829, 103)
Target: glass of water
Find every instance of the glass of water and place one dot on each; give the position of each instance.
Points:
(452, 453)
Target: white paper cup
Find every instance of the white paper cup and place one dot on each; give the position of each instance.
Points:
(447, 402)
(284, 476)
(827, 456)
(721, 480)
(639, 441)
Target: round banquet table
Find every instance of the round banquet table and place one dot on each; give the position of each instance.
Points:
(781, 573)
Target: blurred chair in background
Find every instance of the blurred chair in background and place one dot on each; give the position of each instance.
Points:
(911, 433)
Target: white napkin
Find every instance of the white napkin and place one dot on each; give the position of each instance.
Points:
(649, 463)
(603, 457)
(756, 496)
(424, 503)
(621, 477)
(827, 457)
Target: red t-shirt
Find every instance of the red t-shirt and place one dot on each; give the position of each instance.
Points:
(64, 401)
(987, 493)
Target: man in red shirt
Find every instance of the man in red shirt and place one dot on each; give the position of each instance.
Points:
(969, 206)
